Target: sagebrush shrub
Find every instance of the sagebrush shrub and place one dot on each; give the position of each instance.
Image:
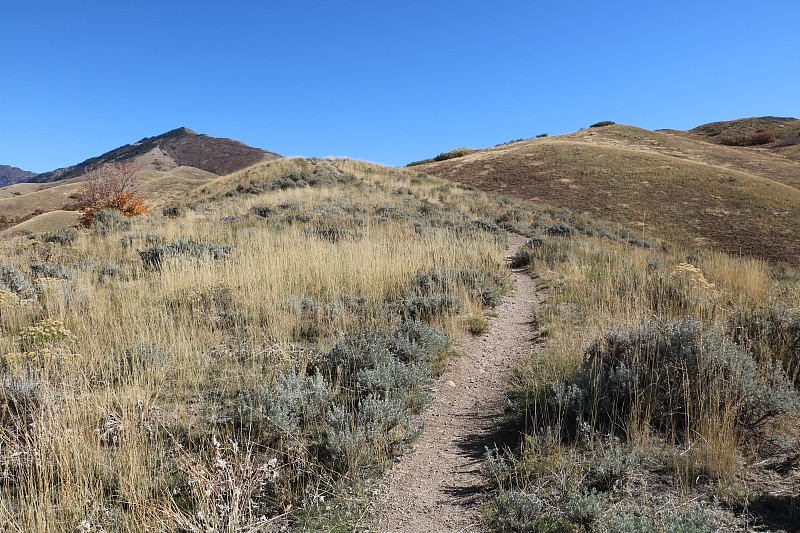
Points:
(64, 237)
(49, 270)
(486, 287)
(155, 257)
(770, 333)
(108, 221)
(669, 376)
(426, 308)
(173, 211)
(14, 280)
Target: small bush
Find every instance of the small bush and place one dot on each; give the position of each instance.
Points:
(477, 325)
(64, 237)
(139, 357)
(262, 211)
(49, 270)
(426, 308)
(147, 239)
(754, 139)
(453, 154)
(173, 211)
(14, 280)
(415, 342)
(20, 402)
(486, 287)
(770, 334)
(671, 376)
(108, 269)
(762, 137)
(108, 221)
(602, 123)
(335, 234)
(44, 334)
(560, 229)
(155, 257)
(541, 136)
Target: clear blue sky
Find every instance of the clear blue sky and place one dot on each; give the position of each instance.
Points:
(384, 81)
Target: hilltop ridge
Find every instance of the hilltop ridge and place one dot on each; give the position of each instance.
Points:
(681, 186)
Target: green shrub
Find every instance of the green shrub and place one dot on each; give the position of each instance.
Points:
(453, 154)
(415, 342)
(602, 123)
(754, 139)
(560, 229)
(516, 511)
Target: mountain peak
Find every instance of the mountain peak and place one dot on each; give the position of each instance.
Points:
(178, 147)
(9, 175)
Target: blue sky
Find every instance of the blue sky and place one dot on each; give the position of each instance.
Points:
(388, 82)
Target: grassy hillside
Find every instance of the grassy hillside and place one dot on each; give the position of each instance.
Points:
(23, 201)
(243, 363)
(674, 186)
(663, 395)
(252, 360)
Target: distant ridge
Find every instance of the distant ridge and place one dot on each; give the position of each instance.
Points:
(178, 147)
(9, 175)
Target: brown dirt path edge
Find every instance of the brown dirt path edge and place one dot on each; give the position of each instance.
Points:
(438, 487)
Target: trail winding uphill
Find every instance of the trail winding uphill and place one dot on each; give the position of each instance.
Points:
(438, 487)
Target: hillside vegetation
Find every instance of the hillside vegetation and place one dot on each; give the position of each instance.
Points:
(676, 186)
(29, 201)
(244, 362)
(664, 395)
(250, 361)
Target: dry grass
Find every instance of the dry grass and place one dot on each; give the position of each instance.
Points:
(129, 425)
(741, 201)
(598, 287)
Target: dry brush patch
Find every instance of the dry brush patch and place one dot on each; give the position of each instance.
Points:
(246, 362)
(665, 382)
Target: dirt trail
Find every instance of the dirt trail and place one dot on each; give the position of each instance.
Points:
(438, 487)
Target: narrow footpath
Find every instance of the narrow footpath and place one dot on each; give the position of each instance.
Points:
(438, 487)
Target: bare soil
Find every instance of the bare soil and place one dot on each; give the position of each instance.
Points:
(438, 487)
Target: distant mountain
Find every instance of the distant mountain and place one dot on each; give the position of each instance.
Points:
(9, 175)
(180, 147)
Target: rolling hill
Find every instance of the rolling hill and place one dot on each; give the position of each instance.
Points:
(683, 186)
(172, 164)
